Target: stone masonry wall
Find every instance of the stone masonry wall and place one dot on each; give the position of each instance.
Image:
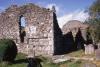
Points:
(38, 29)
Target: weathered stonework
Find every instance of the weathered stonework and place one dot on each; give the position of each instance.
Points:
(98, 54)
(74, 33)
(89, 49)
(39, 30)
(74, 26)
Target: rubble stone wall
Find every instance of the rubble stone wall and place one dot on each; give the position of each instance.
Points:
(38, 29)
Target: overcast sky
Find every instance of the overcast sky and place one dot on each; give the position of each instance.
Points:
(65, 9)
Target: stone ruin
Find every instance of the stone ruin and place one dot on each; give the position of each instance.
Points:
(41, 34)
(89, 49)
(74, 26)
(97, 54)
(75, 34)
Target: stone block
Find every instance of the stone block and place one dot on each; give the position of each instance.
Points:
(98, 54)
(89, 49)
(89, 65)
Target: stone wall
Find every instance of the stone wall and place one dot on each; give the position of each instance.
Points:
(39, 28)
(74, 33)
(89, 49)
(9, 27)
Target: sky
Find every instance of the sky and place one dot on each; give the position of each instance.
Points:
(65, 9)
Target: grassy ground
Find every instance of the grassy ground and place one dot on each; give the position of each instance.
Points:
(64, 64)
(80, 53)
(21, 61)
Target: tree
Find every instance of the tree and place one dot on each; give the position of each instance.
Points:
(94, 20)
(94, 9)
(88, 36)
(8, 50)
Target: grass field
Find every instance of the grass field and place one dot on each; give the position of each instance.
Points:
(22, 61)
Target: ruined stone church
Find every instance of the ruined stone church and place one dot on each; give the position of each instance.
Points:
(41, 34)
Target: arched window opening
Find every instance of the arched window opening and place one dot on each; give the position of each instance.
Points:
(22, 24)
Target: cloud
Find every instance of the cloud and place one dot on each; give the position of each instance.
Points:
(63, 18)
(76, 15)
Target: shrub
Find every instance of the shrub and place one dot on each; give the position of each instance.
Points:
(8, 50)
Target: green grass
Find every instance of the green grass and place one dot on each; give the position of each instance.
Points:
(13, 65)
(78, 53)
(18, 57)
(18, 65)
(70, 63)
(46, 62)
(75, 64)
(49, 65)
